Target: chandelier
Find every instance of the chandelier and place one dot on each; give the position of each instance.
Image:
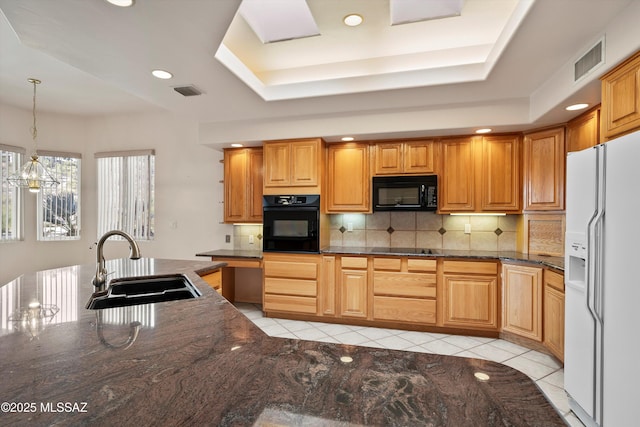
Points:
(33, 175)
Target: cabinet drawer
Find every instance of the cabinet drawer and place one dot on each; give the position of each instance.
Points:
(404, 309)
(295, 270)
(276, 285)
(238, 262)
(290, 303)
(354, 262)
(414, 264)
(554, 280)
(392, 264)
(470, 267)
(404, 284)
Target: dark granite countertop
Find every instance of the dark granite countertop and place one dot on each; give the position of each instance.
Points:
(202, 362)
(231, 253)
(548, 261)
(544, 260)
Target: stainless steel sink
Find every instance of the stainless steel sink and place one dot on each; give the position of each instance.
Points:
(143, 290)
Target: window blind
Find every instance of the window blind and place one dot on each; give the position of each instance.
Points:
(126, 192)
(11, 159)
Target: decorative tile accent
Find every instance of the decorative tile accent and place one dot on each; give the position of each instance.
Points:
(342, 229)
(390, 230)
(442, 231)
(497, 231)
(259, 236)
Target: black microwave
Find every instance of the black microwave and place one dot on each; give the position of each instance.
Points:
(405, 193)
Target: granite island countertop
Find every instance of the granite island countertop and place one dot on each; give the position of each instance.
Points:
(202, 362)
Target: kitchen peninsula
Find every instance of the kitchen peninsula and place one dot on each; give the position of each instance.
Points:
(201, 362)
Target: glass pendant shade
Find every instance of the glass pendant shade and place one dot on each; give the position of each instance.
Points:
(33, 175)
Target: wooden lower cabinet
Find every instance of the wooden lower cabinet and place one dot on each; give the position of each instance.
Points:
(420, 293)
(522, 300)
(291, 283)
(554, 313)
(404, 290)
(327, 287)
(214, 279)
(354, 287)
(470, 294)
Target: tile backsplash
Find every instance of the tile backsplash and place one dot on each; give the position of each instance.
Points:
(242, 235)
(425, 230)
(407, 230)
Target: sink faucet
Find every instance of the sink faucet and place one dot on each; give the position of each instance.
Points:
(101, 271)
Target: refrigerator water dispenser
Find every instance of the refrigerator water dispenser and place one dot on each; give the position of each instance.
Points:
(576, 252)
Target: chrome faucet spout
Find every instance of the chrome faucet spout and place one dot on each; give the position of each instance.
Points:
(101, 271)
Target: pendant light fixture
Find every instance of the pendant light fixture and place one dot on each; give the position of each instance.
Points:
(33, 175)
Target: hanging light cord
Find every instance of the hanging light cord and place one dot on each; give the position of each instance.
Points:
(34, 129)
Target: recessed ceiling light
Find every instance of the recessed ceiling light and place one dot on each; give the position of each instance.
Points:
(236, 145)
(352, 20)
(485, 130)
(162, 74)
(122, 3)
(575, 107)
(347, 138)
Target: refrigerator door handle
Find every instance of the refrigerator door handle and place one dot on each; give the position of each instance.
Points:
(593, 277)
(594, 282)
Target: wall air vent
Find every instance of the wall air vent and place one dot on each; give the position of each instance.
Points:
(589, 61)
(187, 90)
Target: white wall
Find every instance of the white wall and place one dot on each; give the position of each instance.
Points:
(188, 192)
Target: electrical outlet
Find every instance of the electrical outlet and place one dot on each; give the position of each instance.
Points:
(251, 239)
(467, 229)
(227, 238)
(349, 226)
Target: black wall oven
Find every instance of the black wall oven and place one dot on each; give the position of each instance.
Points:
(291, 223)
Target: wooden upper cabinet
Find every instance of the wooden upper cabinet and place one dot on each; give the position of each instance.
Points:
(457, 180)
(243, 185)
(305, 158)
(584, 131)
(480, 174)
(544, 165)
(621, 99)
(292, 163)
(410, 157)
(420, 157)
(277, 170)
(256, 171)
(348, 178)
(500, 176)
(387, 158)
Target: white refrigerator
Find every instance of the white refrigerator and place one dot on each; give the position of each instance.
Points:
(602, 283)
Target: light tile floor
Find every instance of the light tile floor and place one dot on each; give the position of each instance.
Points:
(541, 368)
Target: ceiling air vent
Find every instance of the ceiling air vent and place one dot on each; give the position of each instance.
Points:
(589, 61)
(187, 90)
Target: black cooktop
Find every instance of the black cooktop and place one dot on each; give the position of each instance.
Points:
(420, 251)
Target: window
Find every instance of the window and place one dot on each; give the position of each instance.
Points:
(59, 215)
(126, 193)
(11, 208)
